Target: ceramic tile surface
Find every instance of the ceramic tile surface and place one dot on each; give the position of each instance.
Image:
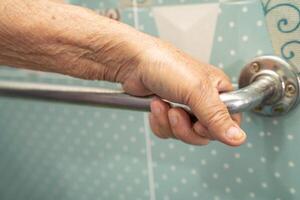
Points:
(62, 151)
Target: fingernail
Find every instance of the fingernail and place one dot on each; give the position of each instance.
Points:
(235, 133)
(173, 119)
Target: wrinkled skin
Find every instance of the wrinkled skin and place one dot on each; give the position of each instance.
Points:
(61, 38)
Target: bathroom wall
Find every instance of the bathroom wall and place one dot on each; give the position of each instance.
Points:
(62, 151)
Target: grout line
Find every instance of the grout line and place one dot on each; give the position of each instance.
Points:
(152, 195)
(135, 14)
(149, 159)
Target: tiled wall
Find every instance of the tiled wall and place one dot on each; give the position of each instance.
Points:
(62, 151)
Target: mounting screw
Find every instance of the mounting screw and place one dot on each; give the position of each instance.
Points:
(255, 67)
(278, 109)
(290, 89)
(258, 109)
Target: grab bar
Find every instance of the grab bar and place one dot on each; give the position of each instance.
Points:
(263, 89)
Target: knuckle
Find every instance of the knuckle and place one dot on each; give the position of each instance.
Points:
(197, 93)
(223, 85)
(216, 73)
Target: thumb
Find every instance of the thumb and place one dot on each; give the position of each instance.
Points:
(213, 114)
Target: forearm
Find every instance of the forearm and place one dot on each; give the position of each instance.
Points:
(66, 39)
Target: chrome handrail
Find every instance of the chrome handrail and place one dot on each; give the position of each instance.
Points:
(260, 87)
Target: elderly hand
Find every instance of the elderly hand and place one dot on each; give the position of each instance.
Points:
(50, 36)
(170, 74)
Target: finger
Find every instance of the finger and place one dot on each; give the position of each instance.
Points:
(220, 80)
(182, 127)
(213, 114)
(155, 127)
(223, 84)
(159, 118)
(202, 131)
